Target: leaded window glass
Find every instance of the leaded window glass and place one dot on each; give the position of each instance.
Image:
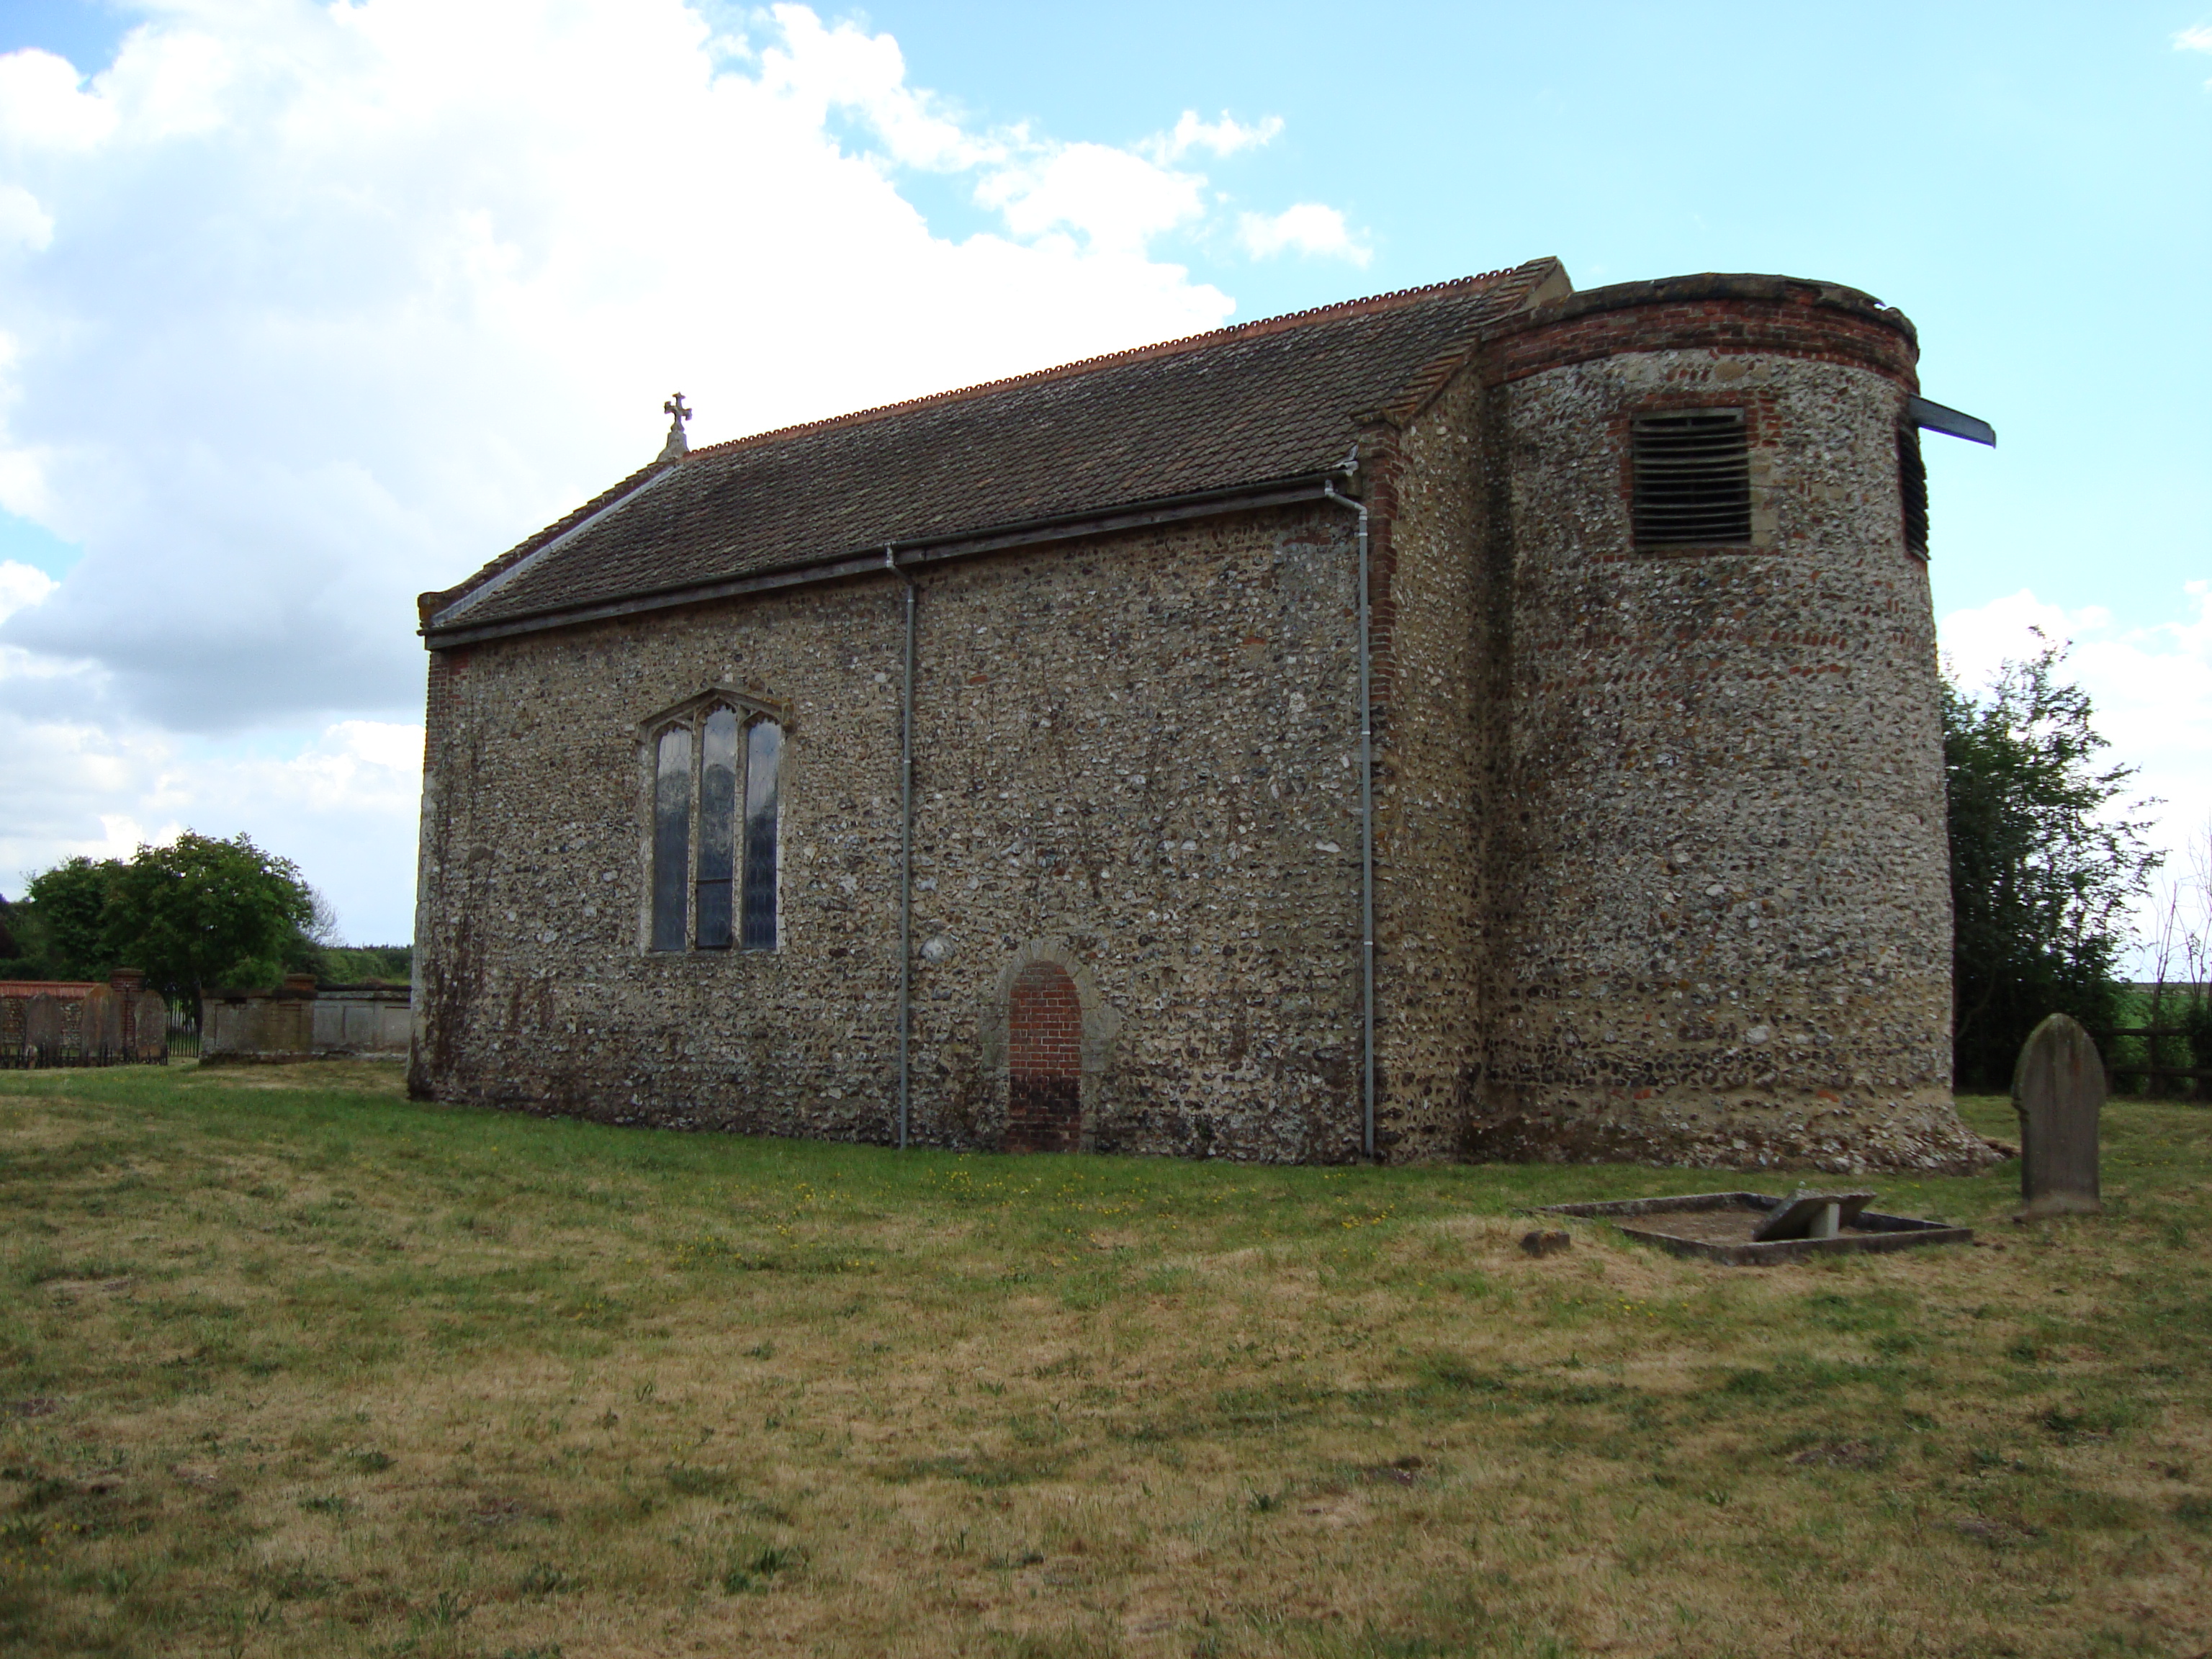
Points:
(714, 806)
(763, 759)
(718, 810)
(671, 834)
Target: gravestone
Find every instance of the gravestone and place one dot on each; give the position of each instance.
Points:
(101, 1036)
(2058, 1089)
(151, 1038)
(44, 1031)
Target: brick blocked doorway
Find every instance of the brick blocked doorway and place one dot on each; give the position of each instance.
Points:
(1044, 1061)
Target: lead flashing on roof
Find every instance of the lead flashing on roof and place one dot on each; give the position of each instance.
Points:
(485, 590)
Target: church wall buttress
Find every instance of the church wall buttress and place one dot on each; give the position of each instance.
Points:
(1431, 729)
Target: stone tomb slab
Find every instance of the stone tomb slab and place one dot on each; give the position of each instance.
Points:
(1726, 1227)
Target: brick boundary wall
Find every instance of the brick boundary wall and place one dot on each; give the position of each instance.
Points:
(1044, 1061)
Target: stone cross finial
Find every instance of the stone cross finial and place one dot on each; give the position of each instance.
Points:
(676, 447)
(2058, 1089)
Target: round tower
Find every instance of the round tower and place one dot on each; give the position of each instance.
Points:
(1726, 930)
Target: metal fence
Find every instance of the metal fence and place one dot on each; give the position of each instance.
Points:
(49, 1025)
(45, 1056)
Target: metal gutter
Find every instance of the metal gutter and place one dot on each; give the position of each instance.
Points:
(906, 854)
(1932, 417)
(1366, 829)
(922, 550)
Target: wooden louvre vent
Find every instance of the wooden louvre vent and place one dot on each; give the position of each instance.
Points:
(1692, 478)
(1912, 488)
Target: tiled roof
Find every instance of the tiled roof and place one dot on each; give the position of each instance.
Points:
(1240, 407)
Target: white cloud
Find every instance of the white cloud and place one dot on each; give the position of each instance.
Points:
(43, 106)
(1308, 228)
(845, 67)
(307, 307)
(1118, 201)
(341, 804)
(2151, 689)
(23, 223)
(1224, 138)
(2198, 39)
(20, 586)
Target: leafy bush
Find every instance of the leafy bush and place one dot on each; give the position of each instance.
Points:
(2041, 874)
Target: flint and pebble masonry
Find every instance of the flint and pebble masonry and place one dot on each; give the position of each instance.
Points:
(1134, 752)
(1659, 857)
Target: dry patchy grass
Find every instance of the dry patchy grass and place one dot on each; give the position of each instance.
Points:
(291, 1365)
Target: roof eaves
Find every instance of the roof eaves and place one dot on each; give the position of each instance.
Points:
(968, 544)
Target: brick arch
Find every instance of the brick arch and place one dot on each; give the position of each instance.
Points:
(1044, 1061)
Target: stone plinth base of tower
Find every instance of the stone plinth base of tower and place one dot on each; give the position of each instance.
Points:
(1840, 1134)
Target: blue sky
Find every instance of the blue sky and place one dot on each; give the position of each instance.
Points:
(2028, 183)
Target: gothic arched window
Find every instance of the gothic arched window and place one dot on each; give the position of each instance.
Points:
(714, 809)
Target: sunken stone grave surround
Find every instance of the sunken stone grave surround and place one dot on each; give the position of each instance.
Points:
(1658, 835)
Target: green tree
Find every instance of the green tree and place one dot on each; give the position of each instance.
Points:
(21, 950)
(70, 905)
(2042, 872)
(202, 912)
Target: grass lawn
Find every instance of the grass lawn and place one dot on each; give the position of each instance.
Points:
(290, 1366)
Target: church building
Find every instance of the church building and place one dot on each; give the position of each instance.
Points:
(1486, 722)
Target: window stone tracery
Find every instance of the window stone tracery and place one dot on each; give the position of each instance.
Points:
(716, 795)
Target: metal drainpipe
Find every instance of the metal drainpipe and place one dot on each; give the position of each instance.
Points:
(906, 850)
(1366, 833)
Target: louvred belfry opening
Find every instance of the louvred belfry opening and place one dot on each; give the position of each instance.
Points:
(1692, 478)
(1912, 489)
(1044, 1059)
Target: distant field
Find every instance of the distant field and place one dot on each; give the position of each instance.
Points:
(289, 1365)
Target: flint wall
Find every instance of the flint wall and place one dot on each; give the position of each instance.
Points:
(1660, 868)
(1725, 910)
(1133, 756)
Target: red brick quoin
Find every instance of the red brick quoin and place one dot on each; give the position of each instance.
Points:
(1044, 1061)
